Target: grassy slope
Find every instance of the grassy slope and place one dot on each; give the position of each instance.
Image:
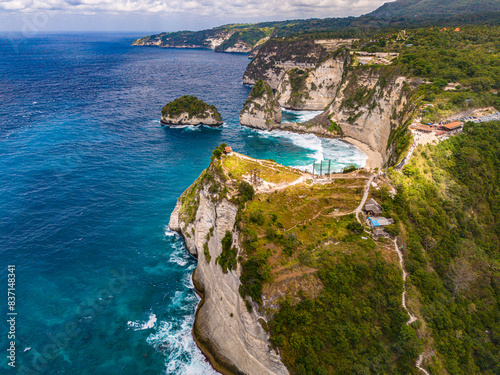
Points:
(307, 261)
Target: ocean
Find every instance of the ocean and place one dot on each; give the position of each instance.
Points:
(88, 180)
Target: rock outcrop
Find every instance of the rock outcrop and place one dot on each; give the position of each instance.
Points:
(367, 103)
(277, 56)
(189, 110)
(228, 334)
(261, 109)
(371, 104)
(229, 38)
(313, 88)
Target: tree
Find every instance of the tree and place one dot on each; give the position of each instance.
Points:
(461, 275)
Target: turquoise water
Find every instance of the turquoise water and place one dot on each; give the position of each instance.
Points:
(89, 179)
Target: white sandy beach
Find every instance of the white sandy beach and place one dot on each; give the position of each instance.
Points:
(374, 158)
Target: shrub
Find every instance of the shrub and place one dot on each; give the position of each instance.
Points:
(227, 259)
(254, 272)
(246, 191)
(257, 217)
(355, 227)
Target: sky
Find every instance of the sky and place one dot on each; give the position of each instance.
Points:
(35, 16)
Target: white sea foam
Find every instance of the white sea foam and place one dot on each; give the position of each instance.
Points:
(170, 233)
(339, 152)
(182, 355)
(306, 141)
(137, 326)
(179, 254)
(302, 116)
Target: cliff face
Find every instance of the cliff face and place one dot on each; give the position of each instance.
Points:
(261, 108)
(186, 39)
(230, 336)
(367, 103)
(277, 56)
(185, 119)
(230, 38)
(312, 88)
(371, 103)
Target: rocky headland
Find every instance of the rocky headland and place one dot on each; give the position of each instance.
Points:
(227, 329)
(369, 104)
(189, 110)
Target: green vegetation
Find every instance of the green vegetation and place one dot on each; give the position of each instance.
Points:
(269, 171)
(255, 272)
(297, 78)
(335, 128)
(248, 37)
(349, 168)
(246, 191)
(412, 8)
(260, 88)
(349, 27)
(191, 105)
(448, 210)
(227, 259)
(355, 326)
(218, 151)
(206, 252)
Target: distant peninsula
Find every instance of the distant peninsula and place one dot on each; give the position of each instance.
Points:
(189, 110)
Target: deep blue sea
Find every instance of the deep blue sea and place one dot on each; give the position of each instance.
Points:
(88, 181)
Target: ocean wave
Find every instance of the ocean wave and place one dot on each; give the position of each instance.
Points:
(170, 233)
(306, 141)
(179, 254)
(340, 153)
(182, 355)
(138, 326)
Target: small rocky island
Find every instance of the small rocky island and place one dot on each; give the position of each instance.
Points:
(261, 110)
(189, 110)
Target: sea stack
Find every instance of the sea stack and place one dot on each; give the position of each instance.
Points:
(189, 110)
(261, 110)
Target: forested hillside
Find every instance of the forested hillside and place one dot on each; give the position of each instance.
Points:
(448, 215)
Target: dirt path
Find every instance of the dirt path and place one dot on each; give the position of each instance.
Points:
(412, 317)
(365, 197)
(294, 274)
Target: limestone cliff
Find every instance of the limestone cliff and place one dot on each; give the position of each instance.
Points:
(277, 56)
(313, 88)
(229, 38)
(189, 110)
(228, 334)
(372, 104)
(261, 109)
(367, 103)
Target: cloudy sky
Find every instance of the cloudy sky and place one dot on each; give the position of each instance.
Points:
(164, 15)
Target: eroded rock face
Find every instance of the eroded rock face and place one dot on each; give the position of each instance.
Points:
(261, 110)
(313, 88)
(185, 119)
(365, 103)
(371, 103)
(230, 336)
(277, 56)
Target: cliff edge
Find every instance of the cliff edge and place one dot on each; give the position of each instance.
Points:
(368, 102)
(226, 331)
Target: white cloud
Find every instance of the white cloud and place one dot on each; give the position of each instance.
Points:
(208, 8)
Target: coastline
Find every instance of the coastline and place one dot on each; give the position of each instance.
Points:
(374, 158)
